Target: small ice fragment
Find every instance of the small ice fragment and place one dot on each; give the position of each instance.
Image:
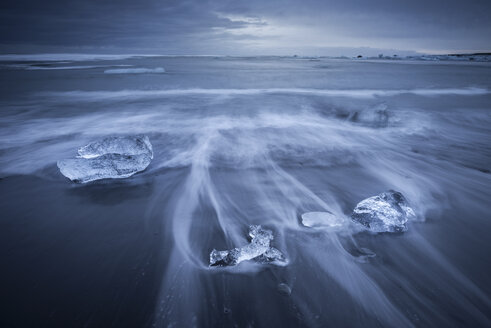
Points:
(364, 254)
(367, 252)
(387, 212)
(318, 219)
(221, 258)
(135, 70)
(259, 250)
(272, 255)
(285, 289)
(112, 157)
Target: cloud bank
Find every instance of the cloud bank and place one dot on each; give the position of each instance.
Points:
(309, 27)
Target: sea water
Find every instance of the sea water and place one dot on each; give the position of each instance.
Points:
(240, 142)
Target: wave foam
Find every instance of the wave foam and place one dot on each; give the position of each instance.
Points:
(353, 93)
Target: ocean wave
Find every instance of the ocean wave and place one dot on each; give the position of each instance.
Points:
(350, 93)
(32, 68)
(35, 68)
(135, 70)
(67, 57)
(52, 66)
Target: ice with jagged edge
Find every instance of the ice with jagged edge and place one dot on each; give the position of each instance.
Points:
(259, 249)
(110, 158)
(320, 219)
(387, 212)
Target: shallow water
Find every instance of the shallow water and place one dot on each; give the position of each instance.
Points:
(240, 141)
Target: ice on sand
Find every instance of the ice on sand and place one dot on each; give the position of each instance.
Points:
(320, 219)
(109, 158)
(259, 250)
(387, 212)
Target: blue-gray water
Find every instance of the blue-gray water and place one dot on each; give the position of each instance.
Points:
(241, 141)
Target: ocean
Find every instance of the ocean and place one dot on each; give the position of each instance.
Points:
(240, 141)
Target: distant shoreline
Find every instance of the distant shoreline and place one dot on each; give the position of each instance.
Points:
(77, 57)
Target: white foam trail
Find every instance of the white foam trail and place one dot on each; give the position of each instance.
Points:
(235, 172)
(339, 265)
(354, 93)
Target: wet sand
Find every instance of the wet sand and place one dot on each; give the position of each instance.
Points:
(134, 252)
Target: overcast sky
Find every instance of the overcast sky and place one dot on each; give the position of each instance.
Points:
(246, 27)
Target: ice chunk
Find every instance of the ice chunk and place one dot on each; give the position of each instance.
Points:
(259, 250)
(129, 145)
(135, 70)
(387, 212)
(272, 255)
(319, 219)
(112, 157)
(103, 167)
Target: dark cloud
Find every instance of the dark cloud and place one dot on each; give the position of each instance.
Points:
(254, 26)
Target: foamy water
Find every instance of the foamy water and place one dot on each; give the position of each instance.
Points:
(363, 93)
(227, 156)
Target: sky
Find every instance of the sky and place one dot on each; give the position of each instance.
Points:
(247, 27)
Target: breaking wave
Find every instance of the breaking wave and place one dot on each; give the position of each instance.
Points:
(354, 93)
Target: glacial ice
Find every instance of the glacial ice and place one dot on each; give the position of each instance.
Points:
(111, 157)
(259, 250)
(387, 212)
(129, 145)
(135, 70)
(320, 219)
